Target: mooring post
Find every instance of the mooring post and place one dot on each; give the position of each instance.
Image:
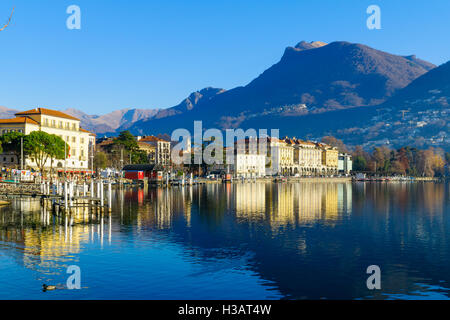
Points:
(65, 196)
(71, 193)
(98, 189)
(109, 196)
(101, 195)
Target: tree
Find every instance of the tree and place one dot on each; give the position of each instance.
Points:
(334, 142)
(359, 163)
(127, 141)
(57, 150)
(139, 156)
(9, 21)
(100, 160)
(11, 143)
(42, 146)
(426, 162)
(400, 164)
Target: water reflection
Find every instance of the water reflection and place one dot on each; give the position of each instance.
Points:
(299, 240)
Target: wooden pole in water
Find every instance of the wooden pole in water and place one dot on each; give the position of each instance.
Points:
(98, 189)
(71, 193)
(109, 196)
(101, 195)
(65, 196)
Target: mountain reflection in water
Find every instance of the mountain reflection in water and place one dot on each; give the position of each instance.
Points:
(236, 241)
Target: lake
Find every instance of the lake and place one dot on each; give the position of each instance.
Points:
(302, 240)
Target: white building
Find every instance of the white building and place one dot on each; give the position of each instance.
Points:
(345, 163)
(161, 150)
(80, 141)
(249, 165)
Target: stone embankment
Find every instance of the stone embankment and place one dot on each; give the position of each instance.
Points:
(19, 188)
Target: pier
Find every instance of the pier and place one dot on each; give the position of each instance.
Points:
(63, 197)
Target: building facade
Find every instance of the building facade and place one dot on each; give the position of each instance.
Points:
(161, 150)
(345, 163)
(281, 156)
(330, 157)
(80, 141)
(249, 165)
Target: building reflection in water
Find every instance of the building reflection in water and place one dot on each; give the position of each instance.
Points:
(293, 204)
(269, 224)
(41, 241)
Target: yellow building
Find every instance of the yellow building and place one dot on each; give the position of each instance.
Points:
(307, 157)
(160, 153)
(330, 158)
(81, 142)
(281, 157)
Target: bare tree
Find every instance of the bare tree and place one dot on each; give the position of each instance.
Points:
(9, 21)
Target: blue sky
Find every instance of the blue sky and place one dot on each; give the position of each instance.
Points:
(152, 54)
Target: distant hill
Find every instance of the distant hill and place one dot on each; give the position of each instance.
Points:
(6, 113)
(429, 90)
(122, 119)
(110, 122)
(310, 78)
(418, 115)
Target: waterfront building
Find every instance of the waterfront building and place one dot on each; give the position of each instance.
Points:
(345, 163)
(149, 149)
(80, 141)
(307, 157)
(281, 157)
(329, 158)
(161, 150)
(249, 165)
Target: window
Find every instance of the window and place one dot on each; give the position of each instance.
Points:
(82, 140)
(74, 139)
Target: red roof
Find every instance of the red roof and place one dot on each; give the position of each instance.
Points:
(49, 112)
(18, 120)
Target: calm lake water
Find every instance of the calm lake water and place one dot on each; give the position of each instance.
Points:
(241, 241)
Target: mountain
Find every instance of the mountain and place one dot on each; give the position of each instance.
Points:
(107, 123)
(188, 104)
(6, 113)
(310, 78)
(110, 122)
(122, 119)
(429, 90)
(417, 115)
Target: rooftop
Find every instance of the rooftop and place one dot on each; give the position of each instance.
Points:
(53, 113)
(151, 139)
(18, 120)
